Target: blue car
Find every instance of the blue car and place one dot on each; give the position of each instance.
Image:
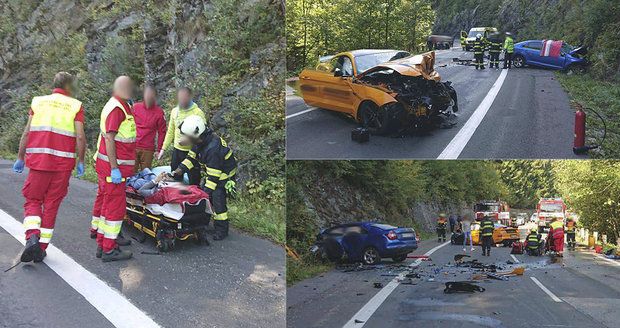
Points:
(366, 242)
(528, 53)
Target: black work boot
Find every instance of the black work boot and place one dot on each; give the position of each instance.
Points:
(122, 241)
(99, 252)
(93, 234)
(39, 259)
(221, 229)
(32, 250)
(116, 255)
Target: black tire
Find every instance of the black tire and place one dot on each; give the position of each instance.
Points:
(201, 237)
(376, 120)
(163, 246)
(399, 258)
(518, 61)
(371, 256)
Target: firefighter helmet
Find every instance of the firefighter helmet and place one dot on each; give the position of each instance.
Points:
(193, 126)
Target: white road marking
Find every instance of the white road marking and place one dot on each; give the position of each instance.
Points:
(369, 308)
(460, 140)
(514, 258)
(302, 112)
(555, 298)
(107, 300)
(614, 262)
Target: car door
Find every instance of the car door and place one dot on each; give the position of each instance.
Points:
(336, 90)
(554, 62)
(532, 52)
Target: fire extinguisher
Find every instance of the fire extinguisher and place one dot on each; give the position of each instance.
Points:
(579, 144)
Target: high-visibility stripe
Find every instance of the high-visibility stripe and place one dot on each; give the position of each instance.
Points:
(188, 164)
(214, 172)
(94, 222)
(225, 176)
(221, 216)
(50, 151)
(191, 154)
(118, 161)
(210, 184)
(32, 222)
(46, 235)
(230, 152)
(45, 128)
(125, 140)
(101, 225)
(111, 229)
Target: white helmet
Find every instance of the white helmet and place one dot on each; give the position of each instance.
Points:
(193, 126)
(478, 36)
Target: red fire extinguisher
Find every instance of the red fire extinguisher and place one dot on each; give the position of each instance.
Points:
(579, 144)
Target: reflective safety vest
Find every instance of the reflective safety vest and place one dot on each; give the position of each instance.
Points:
(509, 45)
(125, 141)
(478, 47)
(441, 223)
(557, 228)
(533, 241)
(495, 47)
(487, 228)
(51, 138)
(570, 227)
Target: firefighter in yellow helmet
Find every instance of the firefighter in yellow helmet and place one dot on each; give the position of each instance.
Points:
(533, 242)
(442, 226)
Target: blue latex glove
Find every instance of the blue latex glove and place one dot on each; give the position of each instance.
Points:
(116, 176)
(18, 167)
(80, 170)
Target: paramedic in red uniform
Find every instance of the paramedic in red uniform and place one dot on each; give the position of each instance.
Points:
(115, 160)
(150, 122)
(556, 231)
(54, 131)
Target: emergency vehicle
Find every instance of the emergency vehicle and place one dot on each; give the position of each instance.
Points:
(548, 209)
(498, 210)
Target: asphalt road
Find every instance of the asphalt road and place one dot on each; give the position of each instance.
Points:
(529, 118)
(588, 289)
(238, 282)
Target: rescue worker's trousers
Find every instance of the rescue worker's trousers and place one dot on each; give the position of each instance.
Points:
(558, 244)
(177, 157)
(487, 241)
(111, 212)
(441, 234)
(43, 191)
(494, 59)
(144, 160)
(218, 202)
(508, 60)
(570, 239)
(533, 251)
(479, 61)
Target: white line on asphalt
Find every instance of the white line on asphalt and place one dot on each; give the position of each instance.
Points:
(555, 298)
(608, 260)
(107, 300)
(369, 308)
(460, 140)
(302, 112)
(514, 258)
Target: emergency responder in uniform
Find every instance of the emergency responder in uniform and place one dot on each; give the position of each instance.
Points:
(54, 131)
(115, 159)
(495, 47)
(442, 225)
(211, 153)
(570, 234)
(509, 49)
(533, 243)
(486, 231)
(479, 52)
(556, 233)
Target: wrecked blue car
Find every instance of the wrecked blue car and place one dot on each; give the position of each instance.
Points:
(559, 56)
(366, 242)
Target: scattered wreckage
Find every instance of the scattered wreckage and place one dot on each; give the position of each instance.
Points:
(389, 92)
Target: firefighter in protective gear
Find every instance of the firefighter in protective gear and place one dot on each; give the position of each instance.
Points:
(114, 162)
(556, 235)
(570, 234)
(495, 47)
(486, 232)
(533, 243)
(442, 226)
(211, 153)
(479, 52)
(509, 49)
(48, 146)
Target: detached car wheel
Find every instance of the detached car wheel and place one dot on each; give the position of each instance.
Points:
(371, 256)
(518, 61)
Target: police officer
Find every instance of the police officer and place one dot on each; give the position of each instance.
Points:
(211, 153)
(441, 227)
(533, 243)
(479, 52)
(495, 47)
(509, 49)
(486, 231)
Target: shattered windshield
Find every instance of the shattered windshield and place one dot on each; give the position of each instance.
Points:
(551, 208)
(365, 62)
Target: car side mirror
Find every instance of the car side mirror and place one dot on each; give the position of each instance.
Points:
(338, 72)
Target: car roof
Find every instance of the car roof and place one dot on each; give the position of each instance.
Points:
(362, 52)
(360, 223)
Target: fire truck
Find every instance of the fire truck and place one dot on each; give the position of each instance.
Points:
(497, 209)
(548, 209)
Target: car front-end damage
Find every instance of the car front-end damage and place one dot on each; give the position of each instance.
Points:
(421, 100)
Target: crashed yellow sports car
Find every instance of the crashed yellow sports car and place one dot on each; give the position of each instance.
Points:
(387, 91)
(501, 235)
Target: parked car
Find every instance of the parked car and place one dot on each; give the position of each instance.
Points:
(366, 242)
(527, 53)
(501, 235)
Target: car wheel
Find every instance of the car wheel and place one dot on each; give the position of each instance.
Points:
(399, 258)
(373, 118)
(371, 256)
(518, 61)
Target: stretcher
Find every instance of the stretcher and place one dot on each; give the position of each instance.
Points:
(169, 222)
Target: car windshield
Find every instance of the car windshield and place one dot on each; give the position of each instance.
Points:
(551, 208)
(472, 33)
(365, 62)
(567, 48)
(384, 226)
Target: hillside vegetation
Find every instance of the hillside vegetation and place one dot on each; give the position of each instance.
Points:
(411, 193)
(230, 52)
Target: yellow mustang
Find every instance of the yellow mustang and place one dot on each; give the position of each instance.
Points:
(385, 90)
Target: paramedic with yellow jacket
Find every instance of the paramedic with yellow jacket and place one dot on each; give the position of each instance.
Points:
(185, 108)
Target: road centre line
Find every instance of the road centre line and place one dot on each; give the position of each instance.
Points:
(460, 140)
(302, 112)
(375, 302)
(514, 258)
(544, 289)
(107, 300)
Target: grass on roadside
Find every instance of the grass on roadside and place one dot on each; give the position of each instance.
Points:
(298, 270)
(603, 97)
